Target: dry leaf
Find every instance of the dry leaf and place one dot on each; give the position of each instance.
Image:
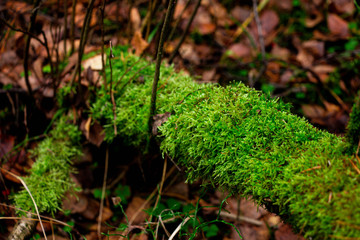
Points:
(338, 26)
(344, 6)
(209, 75)
(285, 233)
(240, 13)
(220, 13)
(305, 58)
(95, 63)
(280, 53)
(273, 71)
(312, 22)
(134, 207)
(138, 43)
(187, 52)
(135, 19)
(239, 50)
(269, 20)
(316, 48)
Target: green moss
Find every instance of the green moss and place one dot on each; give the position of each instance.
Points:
(353, 128)
(49, 178)
(240, 140)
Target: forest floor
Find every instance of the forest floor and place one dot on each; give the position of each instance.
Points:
(306, 53)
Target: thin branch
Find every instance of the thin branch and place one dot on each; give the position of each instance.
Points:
(261, 42)
(111, 56)
(27, 45)
(173, 54)
(65, 25)
(103, 192)
(102, 10)
(83, 38)
(158, 62)
(178, 20)
(72, 28)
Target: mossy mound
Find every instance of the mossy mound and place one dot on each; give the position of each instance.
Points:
(243, 141)
(49, 177)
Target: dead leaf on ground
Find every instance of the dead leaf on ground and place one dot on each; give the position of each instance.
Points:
(273, 71)
(239, 50)
(241, 13)
(219, 12)
(135, 18)
(338, 26)
(208, 75)
(138, 43)
(311, 22)
(305, 58)
(203, 22)
(280, 52)
(134, 207)
(94, 132)
(322, 71)
(316, 48)
(269, 20)
(344, 6)
(20, 7)
(95, 63)
(285, 5)
(187, 52)
(286, 233)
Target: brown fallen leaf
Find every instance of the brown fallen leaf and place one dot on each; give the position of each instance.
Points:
(94, 133)
(280, 52)
(305, 58)
(316, 48)
(240, 13)
(138, 43)
(187, 52)
(338, 26)
(134, 208)
(135, 19)
(95, 63)
(269, 20)
(286, 233)
(239, 50)
(343, 6)
(316, 18)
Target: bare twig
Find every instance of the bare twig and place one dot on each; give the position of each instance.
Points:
(72, 28)
(27, 45)
(261, 42)
(65, 24)
(111, 90)
(36, 209)
(83, 38)
(102, 9)
(147, 17)
(178, 21)
(158, 62)
(103, 192)
(160, 187)
(173, 54)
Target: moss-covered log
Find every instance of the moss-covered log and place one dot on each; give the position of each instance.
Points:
(242, 140)
(49, 177)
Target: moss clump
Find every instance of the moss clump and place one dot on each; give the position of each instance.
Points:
(353, 128)
(239, 139)
(49, 176)
(132, 95)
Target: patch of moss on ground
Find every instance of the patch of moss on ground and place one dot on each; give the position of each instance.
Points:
(243, 141)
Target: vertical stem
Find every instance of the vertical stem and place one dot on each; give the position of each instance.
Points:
(173, 54)
(102, 10)
(65, 25)
(111, 91)
(72, 28)
(27, 45)
(83, 38)
(158, 62)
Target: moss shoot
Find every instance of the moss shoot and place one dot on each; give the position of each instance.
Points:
(241, 140)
